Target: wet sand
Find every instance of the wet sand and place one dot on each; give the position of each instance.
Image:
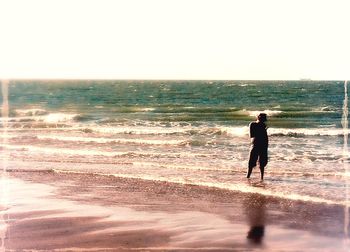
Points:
(49, 211)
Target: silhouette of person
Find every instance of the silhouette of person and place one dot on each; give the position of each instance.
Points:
(255, 206)
(259, 140)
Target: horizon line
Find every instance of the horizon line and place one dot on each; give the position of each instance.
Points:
(159, 79)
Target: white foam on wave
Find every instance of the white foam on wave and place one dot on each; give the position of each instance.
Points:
(246, 188)
(236, 131)
(244, 131)
(147, 109)
(181, 167)
(30, 112)
(267, 112)
(157, 130)
(139, 130)
(239, 187)
(325, 109)
(185, 130)
(59, 117)
(306, 132)
(40, 115)
(48, 150)
(89, 152)
(109, 140)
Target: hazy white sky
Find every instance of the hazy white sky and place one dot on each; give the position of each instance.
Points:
(175, 39)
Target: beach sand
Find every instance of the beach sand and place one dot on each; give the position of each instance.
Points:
(50, 211)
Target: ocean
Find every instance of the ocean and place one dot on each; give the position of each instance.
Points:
(187, 132)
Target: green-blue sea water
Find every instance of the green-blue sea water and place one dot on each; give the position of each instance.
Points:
(193, 132)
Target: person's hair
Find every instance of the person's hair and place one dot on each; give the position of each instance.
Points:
(262, 117)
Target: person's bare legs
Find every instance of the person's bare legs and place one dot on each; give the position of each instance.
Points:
(262, 169)
(249, 172)
(253, 157)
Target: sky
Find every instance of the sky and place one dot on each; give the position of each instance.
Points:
(175, 39)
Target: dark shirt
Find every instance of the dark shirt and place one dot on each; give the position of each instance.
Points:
(259, 133)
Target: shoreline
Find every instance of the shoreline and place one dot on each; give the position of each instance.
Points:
(251, 186)
(57, 211)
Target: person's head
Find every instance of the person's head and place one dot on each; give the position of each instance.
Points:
(262, 117)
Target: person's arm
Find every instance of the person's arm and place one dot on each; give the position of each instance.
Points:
(252, 132)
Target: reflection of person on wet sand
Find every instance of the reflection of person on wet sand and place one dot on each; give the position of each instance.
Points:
(258, 134)
(255, 210)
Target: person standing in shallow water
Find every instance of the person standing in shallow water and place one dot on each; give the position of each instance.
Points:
(260, 142)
